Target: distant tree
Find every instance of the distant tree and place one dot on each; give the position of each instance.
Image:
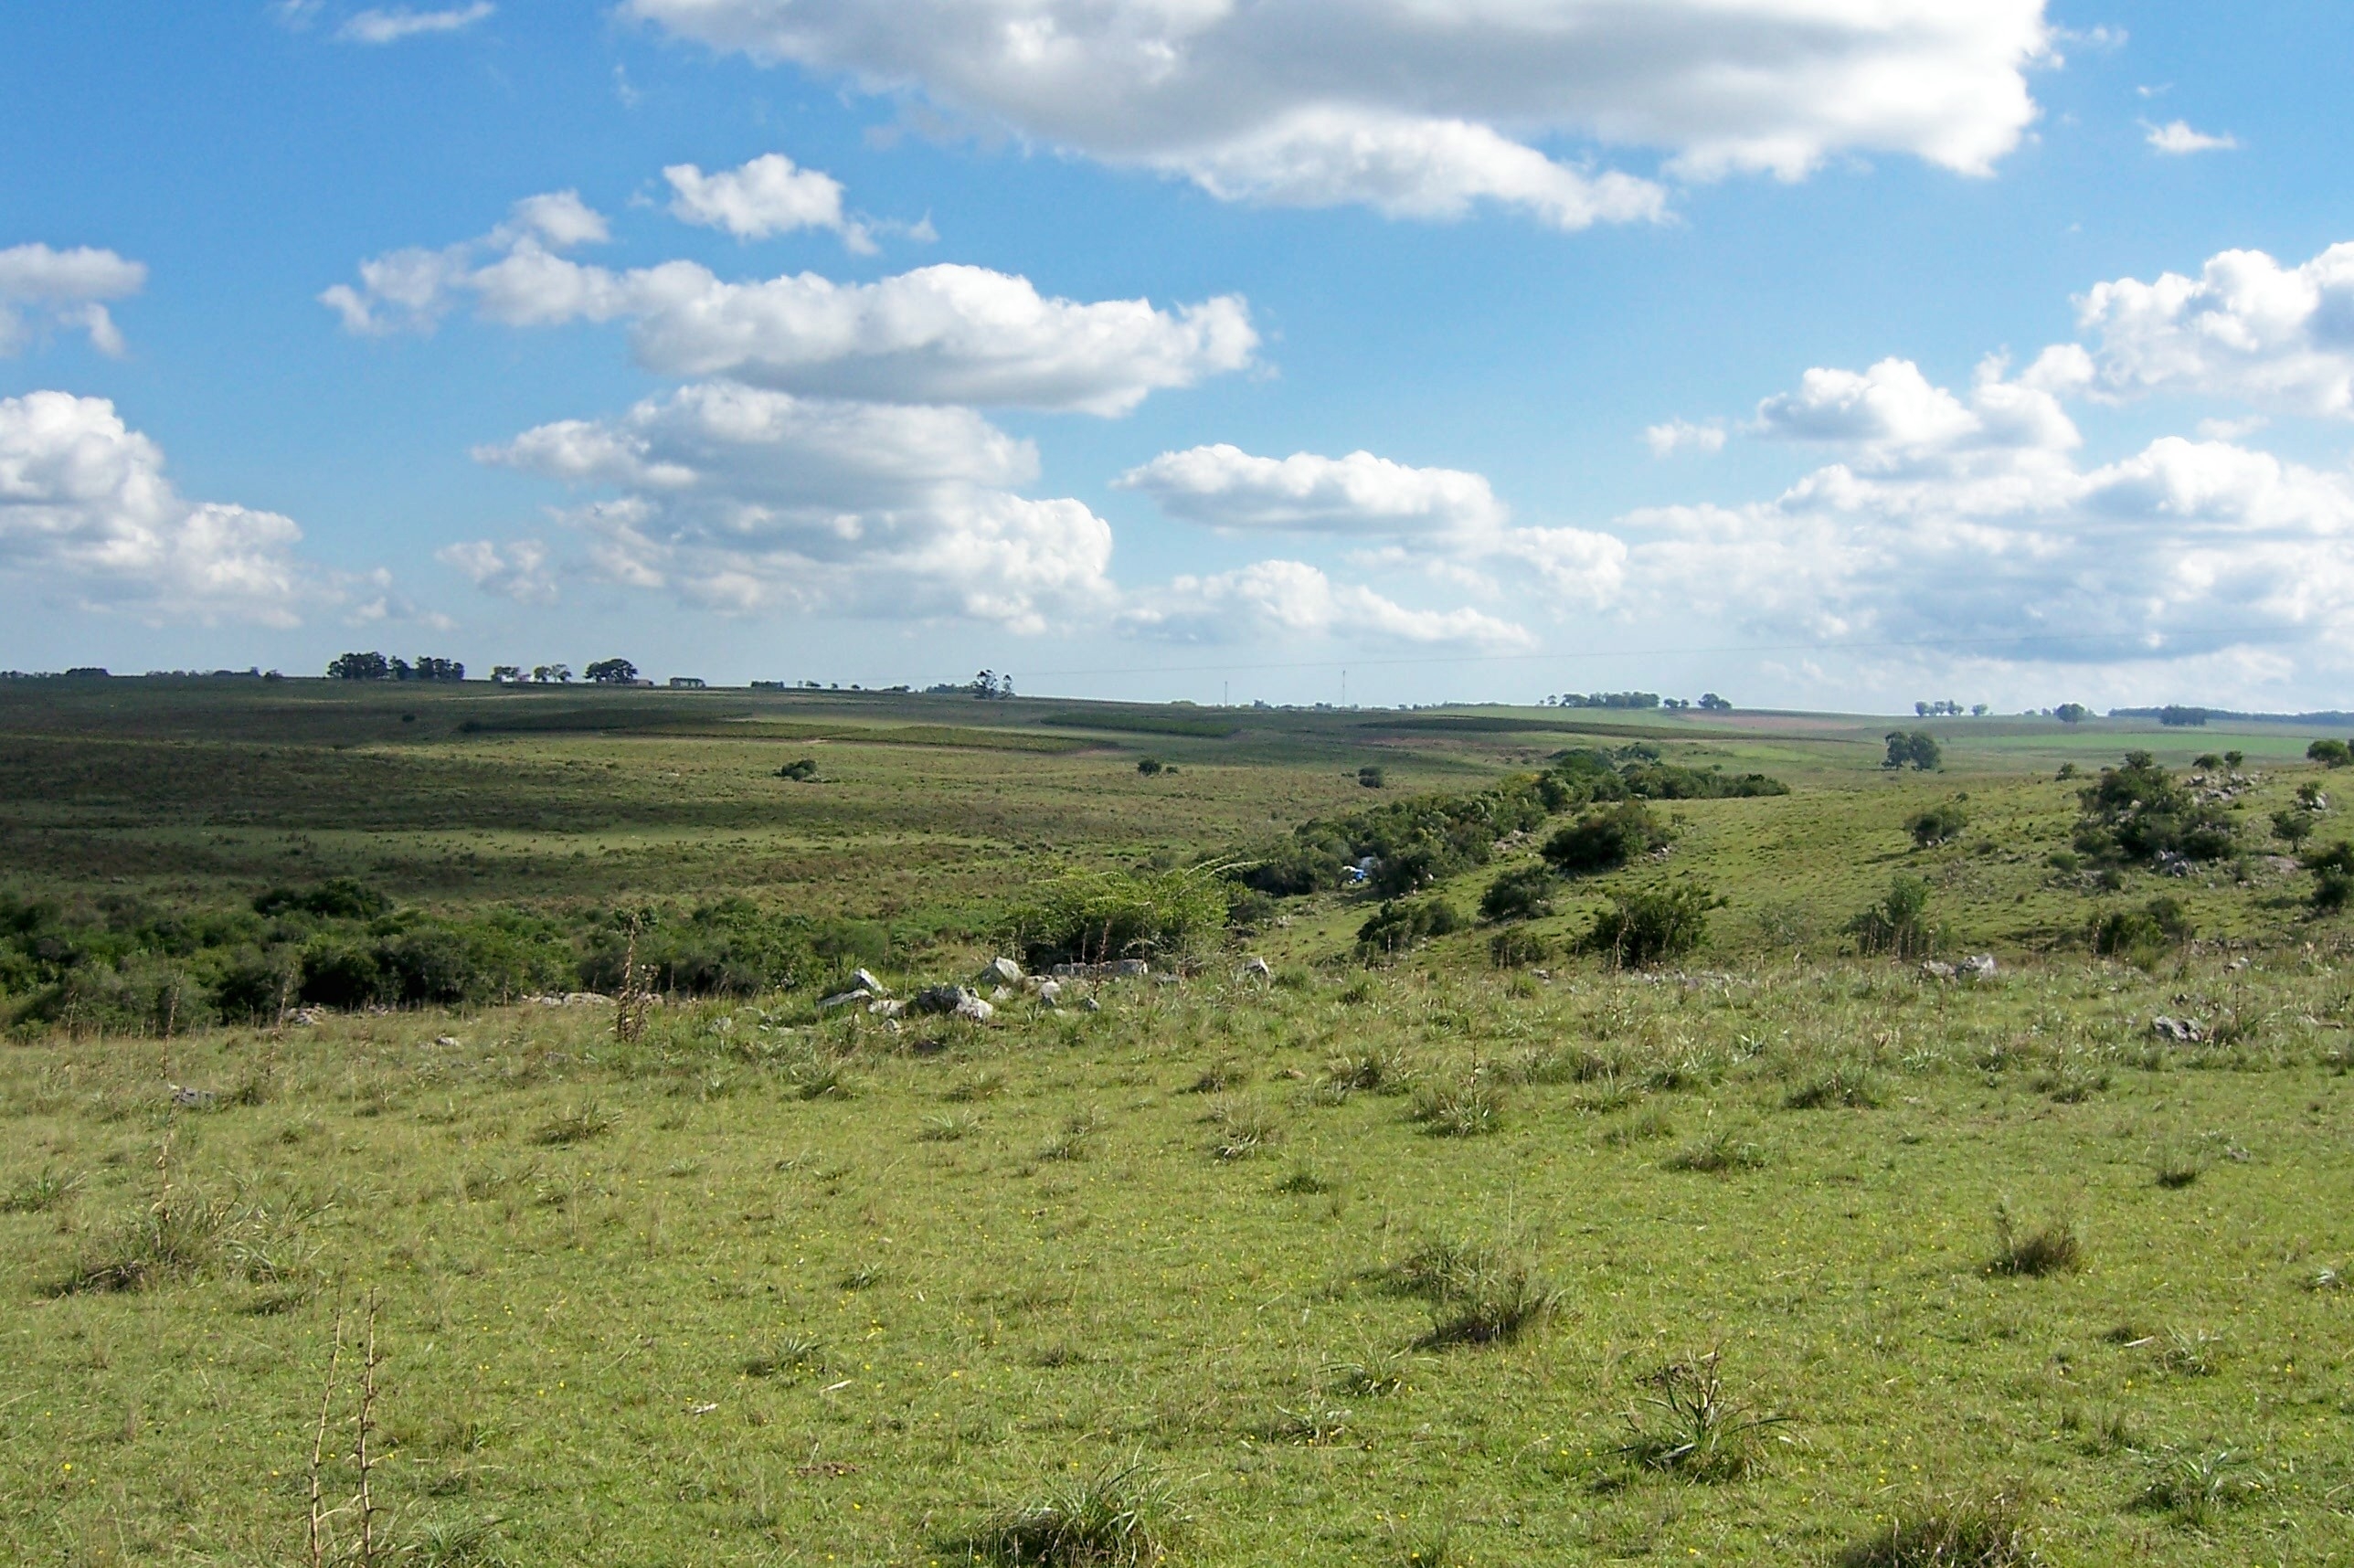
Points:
(400, 670)
(2071, 713)
(2234, 758)
(431, 668)
(506, 675)
(991, 686)
(1371, 776)
(1979, 710)
(552, 674)
(1916, 749)
(2179, 717)
(1150, 766)
(1710, 703)
(2208, 762)
(2331, 753)
(612, 672)
(359, 667)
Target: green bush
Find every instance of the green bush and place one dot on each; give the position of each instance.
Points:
(1401, 924)
(1517, 948)
(1641, 927)
(2331, 753)
(1898, 925)
(1605, 840)
(1938, 824)
(1524, 893)
(804, 771)
(2293, 825)
(1916, 749)
(2141, 811)
(2138, 936)
(1094, 918)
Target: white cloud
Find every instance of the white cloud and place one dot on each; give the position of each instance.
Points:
(393, 24)
(1293, 598)
(1419, 108)
(937, 335)
(2175, 137)
(64, 289)
(2246, 327)
(770, 195)
(750, 501)
(1360, 496)
(86, 510)
(1682, 434)
(517, 570)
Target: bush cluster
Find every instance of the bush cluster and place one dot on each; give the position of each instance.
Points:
(2141, 811)
(1099, 917)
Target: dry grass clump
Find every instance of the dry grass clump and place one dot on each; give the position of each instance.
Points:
(2051, 1247)
(1116, 1517)
(1471, 1108)
(1986, 1531)
(1716, 1155)
(1476, 1296)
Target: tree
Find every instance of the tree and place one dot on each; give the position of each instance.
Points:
(555, 674)
(506, 675)
(1605, 840)
(431, 668)
(1710, 703)
(1148, 766)
(1641, 927)
(2292, 826)
(2179, 717)
(2071, 713)
(1899, 923)
(612, 672)
(2329, 752)
(359, 667)
(1916, 749)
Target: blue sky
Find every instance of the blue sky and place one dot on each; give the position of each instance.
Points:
(1162, 348)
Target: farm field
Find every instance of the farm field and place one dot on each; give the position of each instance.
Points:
(1775, 1252)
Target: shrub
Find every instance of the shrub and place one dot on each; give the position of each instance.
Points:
(1898, 925)
(2331, 753)
(338, 898)
(2332, 890)
(2141, 811)
(1522, 893)
(801, 771)
(1605, 840)
(1916, 749)
(1936, 825)
(1517, 948)
(1641, 927)
(1477, 1297)
(2293, 825)
(1098, 916)
(1372, 778)
(2139, 936)
(1402, 924)
(1150, 766)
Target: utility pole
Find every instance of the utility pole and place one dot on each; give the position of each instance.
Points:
(1344, 688)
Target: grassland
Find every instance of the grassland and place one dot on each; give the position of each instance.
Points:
(1356, 1265)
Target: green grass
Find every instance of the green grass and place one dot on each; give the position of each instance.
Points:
(1366, 1264)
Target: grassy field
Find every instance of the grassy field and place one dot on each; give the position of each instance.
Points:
(1415, 1263)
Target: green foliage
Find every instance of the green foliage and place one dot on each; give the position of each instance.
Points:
(1373, 778)
(1093, 918)
(1916, 749)
(2331, 753)
(2293, 825)
(1898, 926)
(1937, 824)
(1984, 1530)
(2141, 812)
(2071, 713)
(1524, 893)
(1518, 948)
(1150, 767)
(802, 770)
(2140, 935)
(1403, 923)
(1640, 927)
(1605, 840)
(1687, 1427)
(1115, 1517)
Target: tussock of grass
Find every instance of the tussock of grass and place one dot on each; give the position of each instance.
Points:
(792, 1355)
(2051, 1247)
(1470, 1108)
(1687, 1427)
(39, 1194)
(1716, 1155)
(1302, 1180)
(1850, 1084)
(1218, 1078)
(981, 1085)
(1112, 1518)
(576, 1125)
(1366, 1070)
(185, 1234)
(1987, 1530)
(1244, 1130)
(1476, 1296)
(950, 1127)
(2194, 1487)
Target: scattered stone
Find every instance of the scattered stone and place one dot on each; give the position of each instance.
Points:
(305, 1017)
(1166, 979)
(974, 1009)
(867, 982)
(448, 1042)
(1050, 993)
(2186, 1031)
(200, 1099)
(1089, 1005)
(999, 994)
(1000, 972)
(1939, 970)
(845, 999)
(884, 1007)
(1978, 966)
(1125, 968)
(957, 1000)
(572, 998)
(1256, 968)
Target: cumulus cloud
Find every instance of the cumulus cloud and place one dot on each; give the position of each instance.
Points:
(86, 510)
(41, 287)
(1682, 434)
(2176, 138)
(391, 26)
(1360, 496)
(938, 335)
(770, 195)
(518, 570)
(1294, 599)
(2246, 327)
(747, 500)
(1421, 110)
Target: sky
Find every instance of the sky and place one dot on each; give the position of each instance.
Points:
(1822, 354)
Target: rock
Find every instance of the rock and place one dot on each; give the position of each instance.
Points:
(1089, 1005)
(869, 983)
(1000, 972)
(884, 1007)
(2186, 1031)
(1936, 969)
(449, 1041)
(1125, 968)
(999, 994)
(845, 999)
(1050, 993)
(1256, 968)
(1979, 967)
(956, 1000)
(975, 1009)
(1130, 969)
(306, 1016)
(186, 1096)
